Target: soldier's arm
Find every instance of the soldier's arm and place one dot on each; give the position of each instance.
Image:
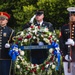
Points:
(50, 26)
(62, 43)
(27, 25)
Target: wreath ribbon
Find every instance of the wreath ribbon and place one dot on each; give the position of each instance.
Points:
(14, 52)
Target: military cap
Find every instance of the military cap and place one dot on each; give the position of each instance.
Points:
(39, 12)
(71, 10)
(4, 15)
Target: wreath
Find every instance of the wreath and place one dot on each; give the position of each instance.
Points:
(25, 38)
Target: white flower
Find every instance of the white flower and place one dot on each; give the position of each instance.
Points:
(35, 31)
(42, 35)
(46, 40)
(45, 29)
(22, 33)
(32, 66)
(25, 40)
(20, 57)
(45, 35)
(53, 66)
(18, 66)
(50, 33)
(21, 52)
(47, 65)
(53, 36)
(57, 40)
(22, 43)
(51, 63)
(37, 66)
(50, 50)
(34, 37)
(29, 29)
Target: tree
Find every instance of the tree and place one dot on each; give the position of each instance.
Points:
(56, 10)
(22, 10)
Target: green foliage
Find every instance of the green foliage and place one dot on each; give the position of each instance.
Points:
(22, 10)
(28, 11)
(55, 11)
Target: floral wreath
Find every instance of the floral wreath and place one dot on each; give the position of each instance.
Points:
(25, 38)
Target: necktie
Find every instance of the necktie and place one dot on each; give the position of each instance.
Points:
(38, 24)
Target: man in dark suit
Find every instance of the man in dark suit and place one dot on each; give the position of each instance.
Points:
(6, 34)
(67, 44)
(39, 56)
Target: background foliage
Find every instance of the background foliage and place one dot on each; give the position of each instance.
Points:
(22, 10)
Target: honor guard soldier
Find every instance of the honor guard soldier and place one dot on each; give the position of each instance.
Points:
(6, 34)
(67, 43)
(38, 56)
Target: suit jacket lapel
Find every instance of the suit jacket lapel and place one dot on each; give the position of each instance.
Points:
(43, 24)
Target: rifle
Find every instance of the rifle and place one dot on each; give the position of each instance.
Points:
(69, 47)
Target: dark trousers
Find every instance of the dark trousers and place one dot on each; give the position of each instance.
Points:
(5, 66)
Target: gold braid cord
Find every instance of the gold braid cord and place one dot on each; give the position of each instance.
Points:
(10, 36)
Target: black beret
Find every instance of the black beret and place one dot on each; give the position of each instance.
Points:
(39, 12)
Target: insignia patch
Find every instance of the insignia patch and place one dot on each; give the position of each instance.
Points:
(4, 34)
(66, 29)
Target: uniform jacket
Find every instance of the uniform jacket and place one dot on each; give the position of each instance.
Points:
(65, 34)
(5, 33)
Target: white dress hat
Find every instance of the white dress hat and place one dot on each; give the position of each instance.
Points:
(71, 9)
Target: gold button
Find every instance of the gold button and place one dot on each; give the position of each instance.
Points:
(72, 37)
(73, 25)
(72, 34)
(73, 28)
(72, 31)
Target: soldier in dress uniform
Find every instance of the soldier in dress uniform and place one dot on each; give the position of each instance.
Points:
(38, 56)
(6, 34)
(67, 43)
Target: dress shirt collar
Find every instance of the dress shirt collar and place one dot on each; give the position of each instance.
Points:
(40, 23)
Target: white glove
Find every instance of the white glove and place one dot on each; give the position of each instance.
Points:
(7, 45)
(69, 42)
(32, 19)
(66, 58)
